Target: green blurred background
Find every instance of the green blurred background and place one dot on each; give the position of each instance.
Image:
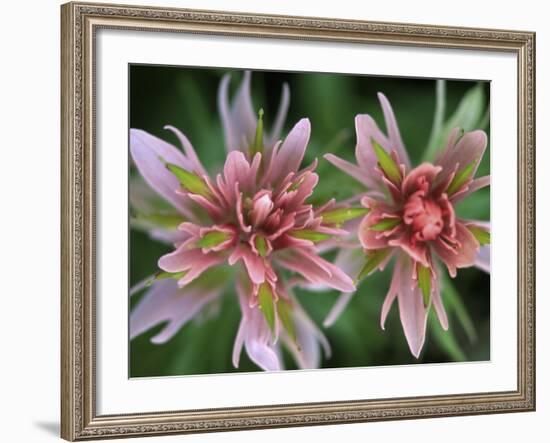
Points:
(187, 98)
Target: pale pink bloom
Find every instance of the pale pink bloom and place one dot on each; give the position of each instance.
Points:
(254, 212)
(412, 218)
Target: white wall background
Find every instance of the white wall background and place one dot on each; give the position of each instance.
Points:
(29, 220)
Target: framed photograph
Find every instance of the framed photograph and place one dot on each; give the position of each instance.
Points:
(283, 221)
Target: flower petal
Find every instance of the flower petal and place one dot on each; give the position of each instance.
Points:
(316, 269)
(412, 311)
(147, 151)
(193, 261)
(393, 130)
(275, 134)
(196, 165)
(254, 333)
(350, 261)
(483, 258)
(164, 301)
(288, 157)
(425, 171)
(473, 186)
(253, 262)
(306, 350)
(238, 120)
(352, 170)
(438, 304)
(237, 170)
(391, 295)
(462, 257)
(469, 149)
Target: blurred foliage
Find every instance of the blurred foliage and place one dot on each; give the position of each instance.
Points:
(187, 98)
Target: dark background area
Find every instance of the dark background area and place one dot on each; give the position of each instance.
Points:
(187, 98)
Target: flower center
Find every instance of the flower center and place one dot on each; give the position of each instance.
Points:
(424, 216)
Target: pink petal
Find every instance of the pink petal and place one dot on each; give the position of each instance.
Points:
(350, 261)
(417, 251)
(412, 312)
(483, 258)
(316, 269)
(254, 263)
(196, 166)
(392, 294)
(304, 191)
(425, 170)
(238, 120)
(352, 170)
(464, 256)
(237, 170)
(393, 130)
(164, 301)
(239, 342)
(288, 157)
(193, 261)
(280, 118)
(474, 186)
(261, 207)
(254, 333)
(309, 338)
(438, 304)
(367, 130)
(470, 148)
(213, 209)
(146, 151)
(369, 238)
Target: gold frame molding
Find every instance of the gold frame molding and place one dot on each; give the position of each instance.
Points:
(79, 22)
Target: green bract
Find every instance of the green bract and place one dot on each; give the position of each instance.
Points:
(190, 181)
(342, 215)
(387, 163)
(374, 258)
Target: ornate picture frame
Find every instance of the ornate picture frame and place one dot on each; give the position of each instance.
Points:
(80, 22)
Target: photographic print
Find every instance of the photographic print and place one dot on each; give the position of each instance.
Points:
(292, 220)
(287, 203)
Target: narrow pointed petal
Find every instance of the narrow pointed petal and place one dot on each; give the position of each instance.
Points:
(438, 304)
(147, 151)
(393, 130)
(275, 134)
(368, 131)
(290, 154)
(468, 150)
(253, 262)
(474, 186)
(392, 293)
(425, 171)
(261, 207)
(316, 270)
(350, 261)
(352, 170)
(244, 117)
(412, 311)
(238, 119)
(483, 258)
(309, 340)
(254, 333)
(464, 255)
(190, 153)
(225, 114)
(164, 301)
(193, 261)
(239, 342)
(237, 170)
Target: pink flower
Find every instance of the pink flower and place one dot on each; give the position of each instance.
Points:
(254, 212)
(412, 217)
